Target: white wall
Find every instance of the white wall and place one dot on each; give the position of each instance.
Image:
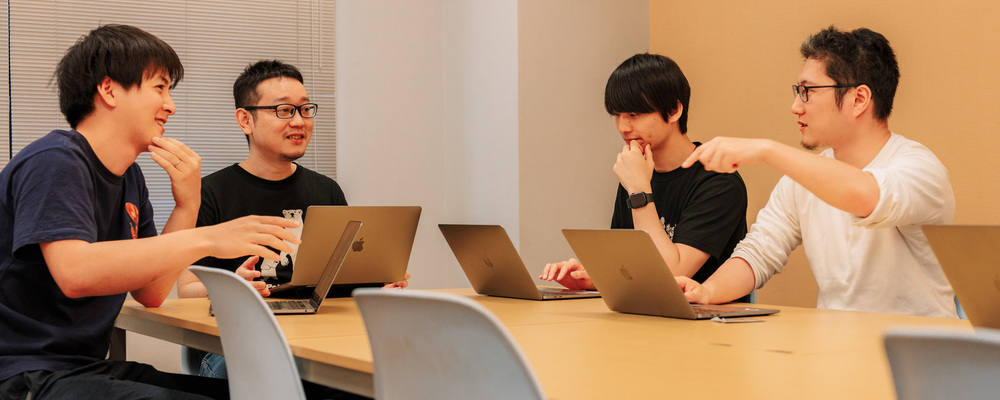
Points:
(566, 52)
(427, 115)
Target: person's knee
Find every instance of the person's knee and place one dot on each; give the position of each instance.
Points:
(213, 366)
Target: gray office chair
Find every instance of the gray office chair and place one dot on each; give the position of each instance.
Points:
(944, 364)
(429, 345)
(258, 358)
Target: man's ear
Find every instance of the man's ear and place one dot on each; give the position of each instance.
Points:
(676, 116)
(107, 91)
(245, 120)
(862, 100)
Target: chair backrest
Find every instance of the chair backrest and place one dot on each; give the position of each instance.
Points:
(944, 364)
(258, 359)
(428, 345)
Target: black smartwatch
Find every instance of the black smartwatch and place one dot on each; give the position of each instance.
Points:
(639, 200)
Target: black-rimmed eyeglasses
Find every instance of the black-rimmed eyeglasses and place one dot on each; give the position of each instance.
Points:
(803, 91)
(286, 111)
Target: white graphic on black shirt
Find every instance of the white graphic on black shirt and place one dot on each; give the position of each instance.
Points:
(667, 228)
(269, 268)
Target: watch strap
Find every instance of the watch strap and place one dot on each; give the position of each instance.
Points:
(639, 199)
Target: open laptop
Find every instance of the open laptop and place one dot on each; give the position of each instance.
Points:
(378, 255)
(627, 268)
(493, 266)
(330, 270)
(967, 254)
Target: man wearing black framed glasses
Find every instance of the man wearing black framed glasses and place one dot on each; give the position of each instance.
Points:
(276, 115)
(858, 206)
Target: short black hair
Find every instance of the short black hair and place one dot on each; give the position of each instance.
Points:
(645, 83)
(859, 57)
(124, 53)
(245, 88)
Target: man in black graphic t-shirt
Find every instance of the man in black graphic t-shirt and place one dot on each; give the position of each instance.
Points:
(695, 217)
(275, 113)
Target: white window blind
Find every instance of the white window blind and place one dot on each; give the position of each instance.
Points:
(215, 40)
(4, 92)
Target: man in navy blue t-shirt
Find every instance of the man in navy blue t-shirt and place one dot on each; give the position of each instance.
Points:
(77, 232)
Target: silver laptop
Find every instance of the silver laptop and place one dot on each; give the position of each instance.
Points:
(378, 255)
(493, 266)
(330, 270)
(627, 268)
(966, 254)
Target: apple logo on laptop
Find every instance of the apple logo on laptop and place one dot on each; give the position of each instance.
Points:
(487, 261)
(358, 245)
(625, 273)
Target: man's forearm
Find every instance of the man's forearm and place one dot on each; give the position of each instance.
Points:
(181, 219)
(104, 268)
(837, 183)
(734, 279)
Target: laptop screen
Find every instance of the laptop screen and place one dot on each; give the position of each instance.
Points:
(334, 264)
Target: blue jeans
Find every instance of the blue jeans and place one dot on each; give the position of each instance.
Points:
(213, 366)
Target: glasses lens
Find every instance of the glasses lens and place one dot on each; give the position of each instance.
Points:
(308, 110)
(285, 111)
(802, 92)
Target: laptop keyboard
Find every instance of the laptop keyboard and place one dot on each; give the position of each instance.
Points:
(288, 305)
(713, 309)
(552, 290)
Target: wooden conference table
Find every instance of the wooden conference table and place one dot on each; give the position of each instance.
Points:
(579, 349)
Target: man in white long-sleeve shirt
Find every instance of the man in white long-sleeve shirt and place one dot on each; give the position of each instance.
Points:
(858, 206)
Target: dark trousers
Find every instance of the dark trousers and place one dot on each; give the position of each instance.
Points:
(108, 380)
